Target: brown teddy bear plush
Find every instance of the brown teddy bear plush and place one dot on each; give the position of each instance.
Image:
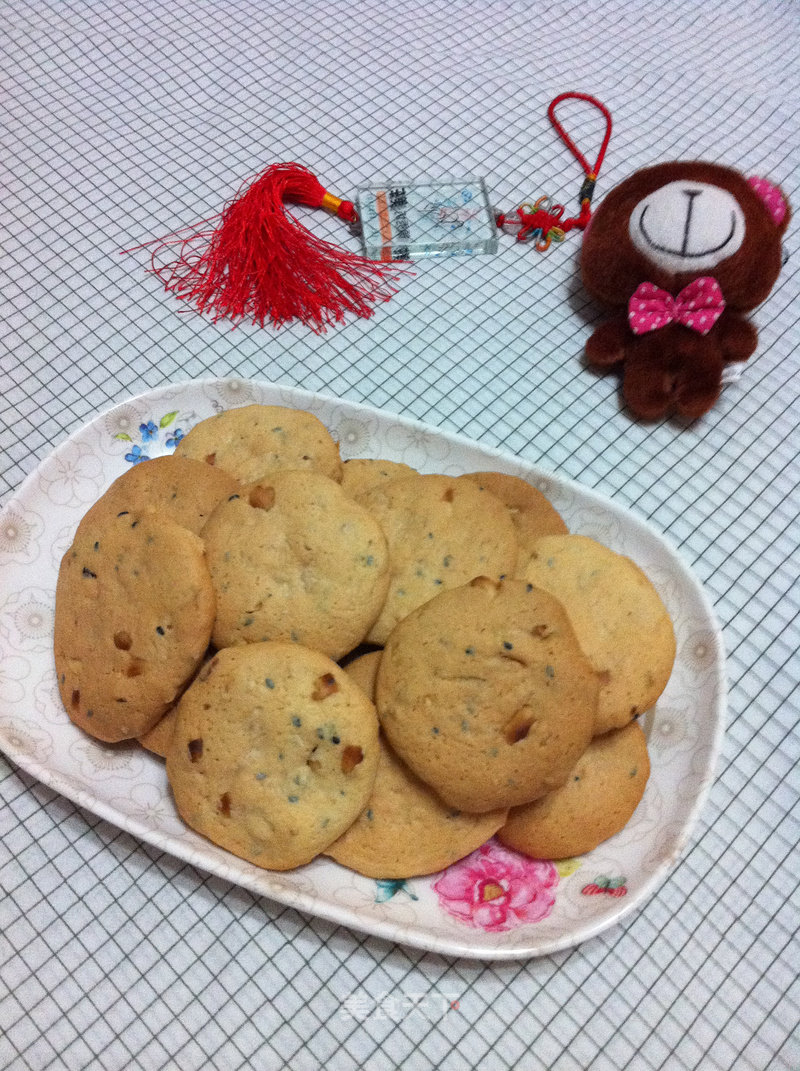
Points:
(683, 251)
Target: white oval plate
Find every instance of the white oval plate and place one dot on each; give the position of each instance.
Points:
(494, 905)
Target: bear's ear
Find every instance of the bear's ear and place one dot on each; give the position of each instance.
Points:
(774, 201)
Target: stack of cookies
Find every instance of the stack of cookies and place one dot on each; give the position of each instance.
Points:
(358, 660)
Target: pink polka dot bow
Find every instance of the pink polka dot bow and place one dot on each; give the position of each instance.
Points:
(698, 306)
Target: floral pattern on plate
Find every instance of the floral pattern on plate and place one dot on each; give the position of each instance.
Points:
(496, 889)
(151, 434)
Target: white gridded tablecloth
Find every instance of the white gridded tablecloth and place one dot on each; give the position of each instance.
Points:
(122, 121)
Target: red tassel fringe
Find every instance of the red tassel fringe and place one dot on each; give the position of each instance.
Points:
(259, 263)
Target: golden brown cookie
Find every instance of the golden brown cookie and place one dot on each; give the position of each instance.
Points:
(254, 440)
(274, 753)
(359, 474)
(485, 693)
(179, 489)
(532, 514)
(618, 617)
(294, 558)
(405, 829)
(364, 671)
(134, 611)
(157, 739)
(598, 799)
(442, 532)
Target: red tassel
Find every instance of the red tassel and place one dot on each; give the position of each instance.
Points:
(261, 264)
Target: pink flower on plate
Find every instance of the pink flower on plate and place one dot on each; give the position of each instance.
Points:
(495, 889)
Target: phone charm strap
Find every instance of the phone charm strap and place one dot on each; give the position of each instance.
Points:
(542, 221)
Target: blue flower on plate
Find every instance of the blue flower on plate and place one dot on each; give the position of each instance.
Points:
(174, 437)
(387, 888)
(149, 432)
(136, 455)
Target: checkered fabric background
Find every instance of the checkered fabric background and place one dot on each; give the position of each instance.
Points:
(122, 121)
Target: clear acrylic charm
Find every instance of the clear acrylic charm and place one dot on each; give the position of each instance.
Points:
(408, 220)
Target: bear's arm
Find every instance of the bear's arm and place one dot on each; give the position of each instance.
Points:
(606, 345)
(737, 336)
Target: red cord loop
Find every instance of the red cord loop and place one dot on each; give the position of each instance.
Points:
(590, 172)
(542, 221)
